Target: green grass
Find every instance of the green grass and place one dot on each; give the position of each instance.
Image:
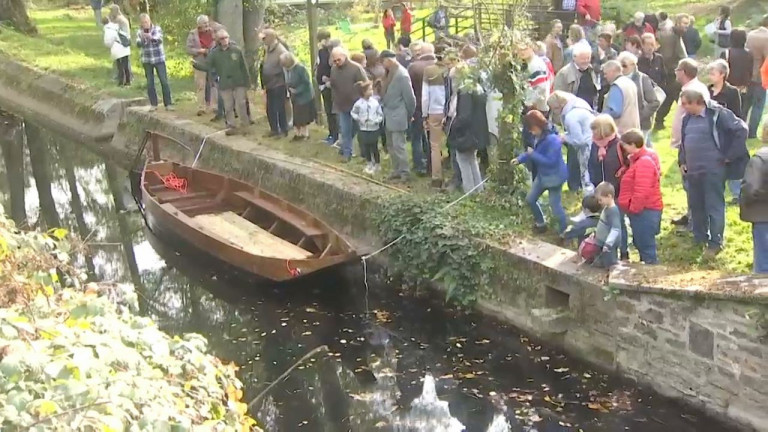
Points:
(70, 45)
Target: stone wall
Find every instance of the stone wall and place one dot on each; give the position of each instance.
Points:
(696, 344)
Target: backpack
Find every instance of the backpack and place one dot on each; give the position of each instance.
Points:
(124, 39)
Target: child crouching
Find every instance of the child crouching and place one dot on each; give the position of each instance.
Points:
(586, 220)
(368, 114)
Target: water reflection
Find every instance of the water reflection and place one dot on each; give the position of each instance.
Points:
(407, 364)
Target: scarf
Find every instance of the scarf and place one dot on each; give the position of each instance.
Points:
(602, 146)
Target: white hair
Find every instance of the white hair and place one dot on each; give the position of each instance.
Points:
(202, 19)
(612, 65)
(721, 66)
(627, 57)
(288, 58)
(221, 33)
(340, 50)
(581, 49)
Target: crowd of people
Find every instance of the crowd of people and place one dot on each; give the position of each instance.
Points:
(609, 92)
(594, 90)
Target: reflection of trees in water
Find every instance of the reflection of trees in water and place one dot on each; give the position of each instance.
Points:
(41, 170)
(76, 203)
(12, 145)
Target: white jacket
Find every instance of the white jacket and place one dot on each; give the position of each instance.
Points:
(368, 114)
(112, 41)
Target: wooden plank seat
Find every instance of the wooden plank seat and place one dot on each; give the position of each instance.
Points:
(281, 213)
(174, 195)
(249, 237)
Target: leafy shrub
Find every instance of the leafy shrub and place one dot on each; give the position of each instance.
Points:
(74, 360)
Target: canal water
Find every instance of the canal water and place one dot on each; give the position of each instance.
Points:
(396, 360)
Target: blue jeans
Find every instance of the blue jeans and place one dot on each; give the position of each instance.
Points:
(162, 75)
(706, 201)
(756, 103)
(347, 133)
(419, 144)
(646, 225)
(760, 242)
(555, 203)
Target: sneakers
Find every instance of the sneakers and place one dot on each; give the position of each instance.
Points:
(170, 108)
(437, 183)
(231, 131)
(329, 140)
(540, 229)
(153, 108)
(336, 144)
(368, 169)
(376, 168)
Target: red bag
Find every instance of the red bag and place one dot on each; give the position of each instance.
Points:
(588, 249)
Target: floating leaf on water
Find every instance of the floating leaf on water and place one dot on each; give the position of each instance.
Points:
(561, 370)
(587, 376)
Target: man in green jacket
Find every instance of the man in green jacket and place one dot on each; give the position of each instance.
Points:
(229, 63)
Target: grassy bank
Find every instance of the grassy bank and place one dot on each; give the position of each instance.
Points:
(70, 45)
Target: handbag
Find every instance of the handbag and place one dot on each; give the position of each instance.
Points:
(588, 249)
(125, 40)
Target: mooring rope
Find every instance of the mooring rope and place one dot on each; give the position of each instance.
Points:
(202, 144)
(365, 258)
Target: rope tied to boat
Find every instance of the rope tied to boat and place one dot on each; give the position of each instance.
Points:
(295, 272)
(172, 181)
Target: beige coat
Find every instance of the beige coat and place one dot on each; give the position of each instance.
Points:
(630, 114)
(554, 51)
(757, 44)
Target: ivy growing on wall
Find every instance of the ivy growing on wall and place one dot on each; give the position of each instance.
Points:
(435, 247)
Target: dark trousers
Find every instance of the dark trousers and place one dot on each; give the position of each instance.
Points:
(383, 135)
(389, 35)
(369, 145)
(278, 121)
(754, 102)
(162, 75)
(672, 89)
(706, 202)
(419, 145)
(574, 170)
(333, 122)
(123, 71)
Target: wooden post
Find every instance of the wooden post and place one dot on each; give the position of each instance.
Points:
(312, 24)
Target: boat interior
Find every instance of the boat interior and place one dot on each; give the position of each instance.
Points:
(245, 217)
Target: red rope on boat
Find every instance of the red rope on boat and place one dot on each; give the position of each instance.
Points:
(172, 181)
(293, 271)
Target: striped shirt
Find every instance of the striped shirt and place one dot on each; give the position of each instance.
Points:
(538, 84)
(152, 51)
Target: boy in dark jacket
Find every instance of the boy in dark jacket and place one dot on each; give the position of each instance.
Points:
(587, 220)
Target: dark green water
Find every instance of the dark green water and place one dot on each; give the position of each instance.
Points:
(487, 376)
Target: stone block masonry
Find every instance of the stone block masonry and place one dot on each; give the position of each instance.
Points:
(702, 345)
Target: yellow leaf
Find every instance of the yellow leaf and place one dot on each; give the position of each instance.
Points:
(46, 408)
(48, 290)
(597, 406)
(58, 233)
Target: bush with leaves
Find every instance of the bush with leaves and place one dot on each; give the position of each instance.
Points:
(74, 360)
(434, 246)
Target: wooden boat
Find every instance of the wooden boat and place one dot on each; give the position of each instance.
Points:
(236, 222)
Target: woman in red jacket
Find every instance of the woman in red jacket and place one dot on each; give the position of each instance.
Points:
(406, 20)
(640, 194)
(389, 23)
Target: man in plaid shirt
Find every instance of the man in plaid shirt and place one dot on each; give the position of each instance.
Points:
(150, 40)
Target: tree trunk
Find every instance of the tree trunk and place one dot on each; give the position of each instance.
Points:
(253, 20)
(15, 11)
(230, 13)
(12, 145)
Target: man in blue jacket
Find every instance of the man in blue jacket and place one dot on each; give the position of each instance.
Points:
(713, 150)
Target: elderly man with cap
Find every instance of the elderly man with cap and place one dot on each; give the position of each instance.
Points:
(199, 42)
(344, 75)
(229, 63)
(399, 105)
(273, 82)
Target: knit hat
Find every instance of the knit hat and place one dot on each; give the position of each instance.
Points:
(387, 54)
